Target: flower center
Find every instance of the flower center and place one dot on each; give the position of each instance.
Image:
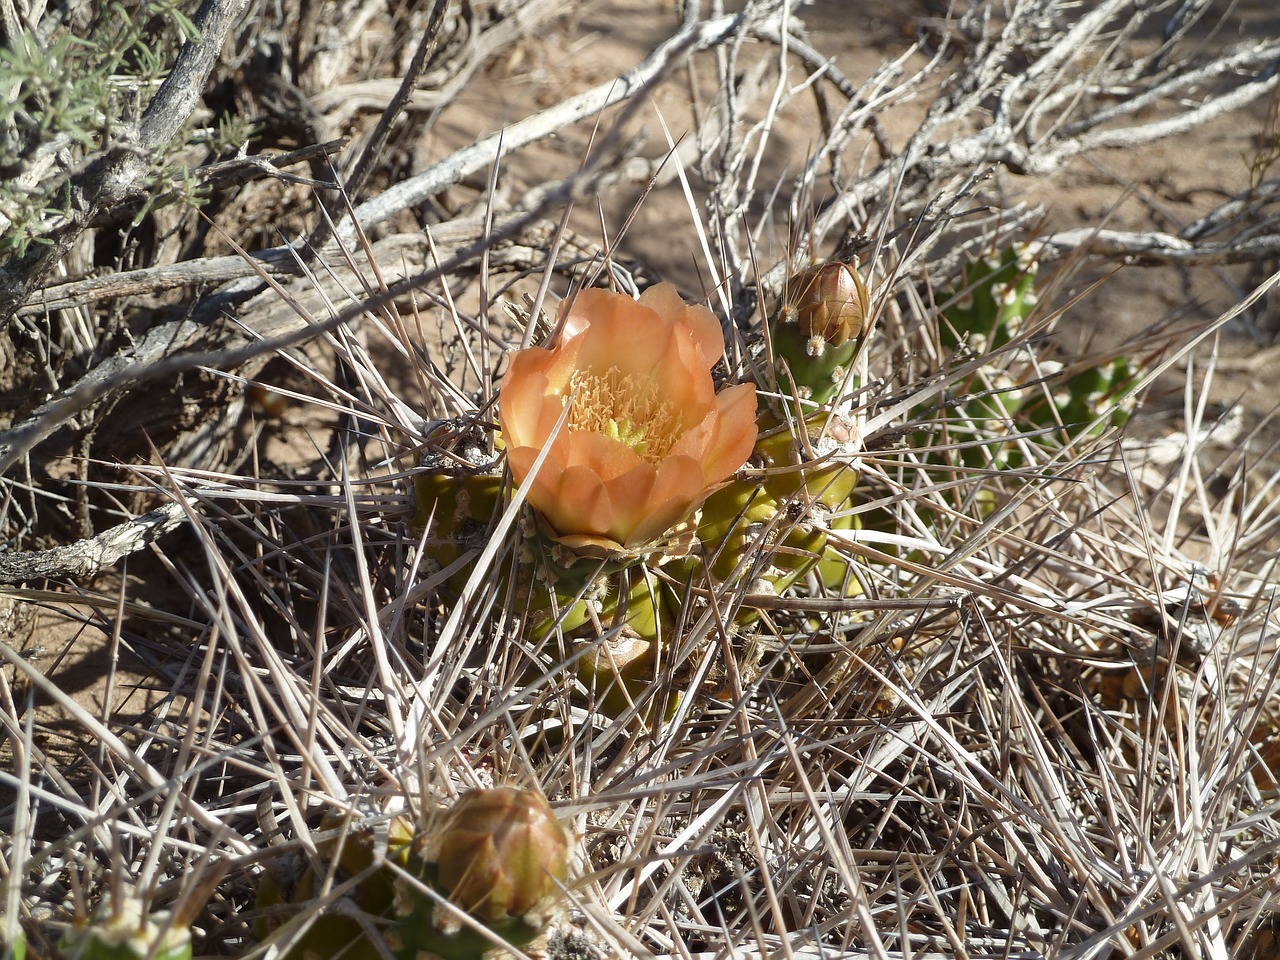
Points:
(629, 411)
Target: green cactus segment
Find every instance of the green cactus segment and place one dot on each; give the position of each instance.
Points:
(1094, 397)
(1088, 395)
(339, 937)
(987, 417)
(816, 378)
(769, 522)
(553, 588)
(127, 936)
(618, 653)
(786, 458)
(986, 312)
(355, 850)
(345, 929)
(995, 298)
(817, 329)
(616, 615)
(558, 588)
(616, 670)
(457, 513)
(499, 858)
(418, 933)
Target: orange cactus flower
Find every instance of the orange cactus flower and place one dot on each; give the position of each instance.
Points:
(647, 437)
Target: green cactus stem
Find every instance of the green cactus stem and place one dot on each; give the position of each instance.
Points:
(582, 598)
(13, 943)
(1087, 395)
(457, 511)
(986, 312)
(995, 298)
(126, 934)
(769, 519)
(817, 328)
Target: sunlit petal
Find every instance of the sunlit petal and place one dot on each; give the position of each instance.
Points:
(679, 488)
(621, 334)
(701, 323)
(581, 503)
(735, 433)
(527, 411)
(645, 438)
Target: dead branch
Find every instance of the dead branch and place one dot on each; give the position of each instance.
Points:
(1149, 248)
(244, 167)
(480, 156)
(160, 356)
(1242, 214)
(110, 179)
(1046, 114)
(153, 280)
(85, 559)
(378, 139)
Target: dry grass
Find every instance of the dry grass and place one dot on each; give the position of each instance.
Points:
(1041, 719)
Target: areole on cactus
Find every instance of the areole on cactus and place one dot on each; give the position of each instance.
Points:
(996, 295)
(127, 934)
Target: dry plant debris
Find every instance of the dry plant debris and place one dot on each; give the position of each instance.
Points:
(974, 655)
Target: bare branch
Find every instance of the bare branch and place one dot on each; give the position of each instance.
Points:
(936, 154)
(109, 180)
(87, 558)
(481, 156)
(378, 139)
(1250, 243)
(1151, 248)
(163, 360)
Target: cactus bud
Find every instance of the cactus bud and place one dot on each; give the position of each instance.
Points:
(832, 307)
(819, 325)
(502, 854)
(501, 857)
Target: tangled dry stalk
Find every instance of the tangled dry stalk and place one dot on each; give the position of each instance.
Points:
(1045, 723)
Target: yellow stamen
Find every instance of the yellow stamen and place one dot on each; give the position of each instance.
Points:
(630, 411)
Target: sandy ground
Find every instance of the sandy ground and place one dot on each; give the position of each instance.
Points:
(1159, 186)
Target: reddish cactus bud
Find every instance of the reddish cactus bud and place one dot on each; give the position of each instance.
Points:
(502, 854)
(818, 327)
(831, 305)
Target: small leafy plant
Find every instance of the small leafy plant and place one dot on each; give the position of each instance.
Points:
(67, 100)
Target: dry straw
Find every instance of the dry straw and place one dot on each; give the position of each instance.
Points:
(1012, 694)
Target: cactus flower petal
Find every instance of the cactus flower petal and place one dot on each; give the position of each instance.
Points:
(646, 438)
